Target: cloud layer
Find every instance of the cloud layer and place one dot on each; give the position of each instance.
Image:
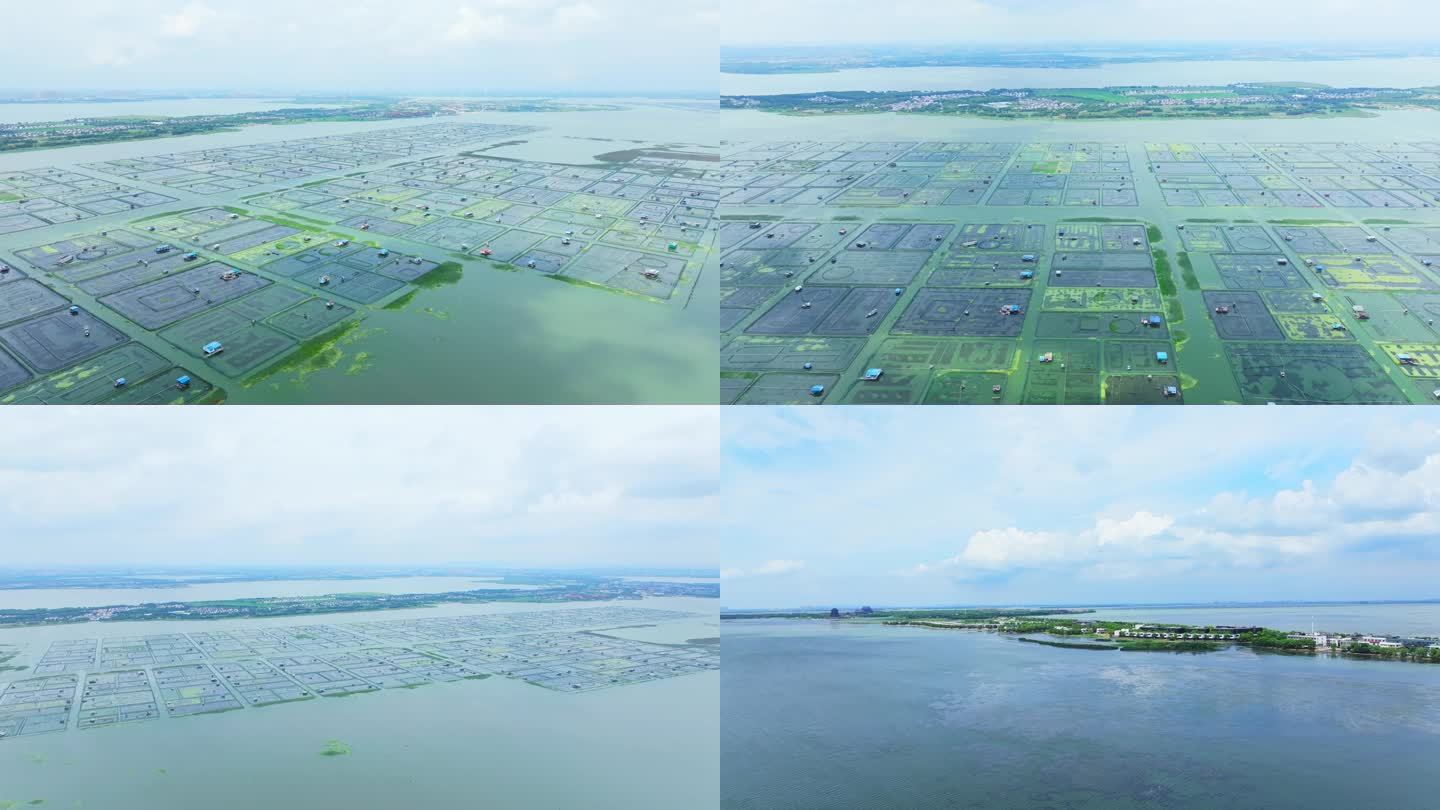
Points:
(364, 46)
(520, 486)
(1103, 21)
(1086, 505)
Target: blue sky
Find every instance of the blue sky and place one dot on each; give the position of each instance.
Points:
(515, 486)
(1078, 505)
(361, 46)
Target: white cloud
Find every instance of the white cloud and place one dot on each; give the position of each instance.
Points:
(188, 21)
(1005, 21)
(562, 485)
(1358, 507)
(363, 46)
(577, 15)
(472, 26)
(1132, 531)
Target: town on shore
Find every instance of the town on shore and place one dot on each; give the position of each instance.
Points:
(1061, 630)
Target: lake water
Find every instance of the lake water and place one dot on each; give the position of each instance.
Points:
(492, 743)
(17, 112)
(1411, 619)
(1388, 127)
(822, 715)
(95, 597)
(1420, 71)
(494, 336)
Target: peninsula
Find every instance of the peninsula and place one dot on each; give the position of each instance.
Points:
(596, 589)
(28, 135)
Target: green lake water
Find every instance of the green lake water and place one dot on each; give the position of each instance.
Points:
(821, 715)
(492, 336)
(491, 743)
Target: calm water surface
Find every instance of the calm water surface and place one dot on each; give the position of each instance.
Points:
(821, 715)
(493, 336)
(1413, 619)
(493, 743)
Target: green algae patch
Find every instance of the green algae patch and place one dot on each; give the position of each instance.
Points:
(1187, 271)
(403, 301)
(314, 355)
(444, 274)
(359, 364)
(1165, 278)
(296, 221)
(335, 748)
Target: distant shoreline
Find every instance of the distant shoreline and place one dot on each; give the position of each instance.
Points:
(1132, 635)
(1169, 101)
(775, 61)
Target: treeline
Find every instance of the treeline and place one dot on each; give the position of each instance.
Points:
(1423, 655)
(103, 130)
(1276, 640)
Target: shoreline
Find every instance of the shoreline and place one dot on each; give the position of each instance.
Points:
(1130, 635)
(1184, 638)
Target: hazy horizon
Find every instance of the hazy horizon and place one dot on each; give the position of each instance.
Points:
(1002, 605)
